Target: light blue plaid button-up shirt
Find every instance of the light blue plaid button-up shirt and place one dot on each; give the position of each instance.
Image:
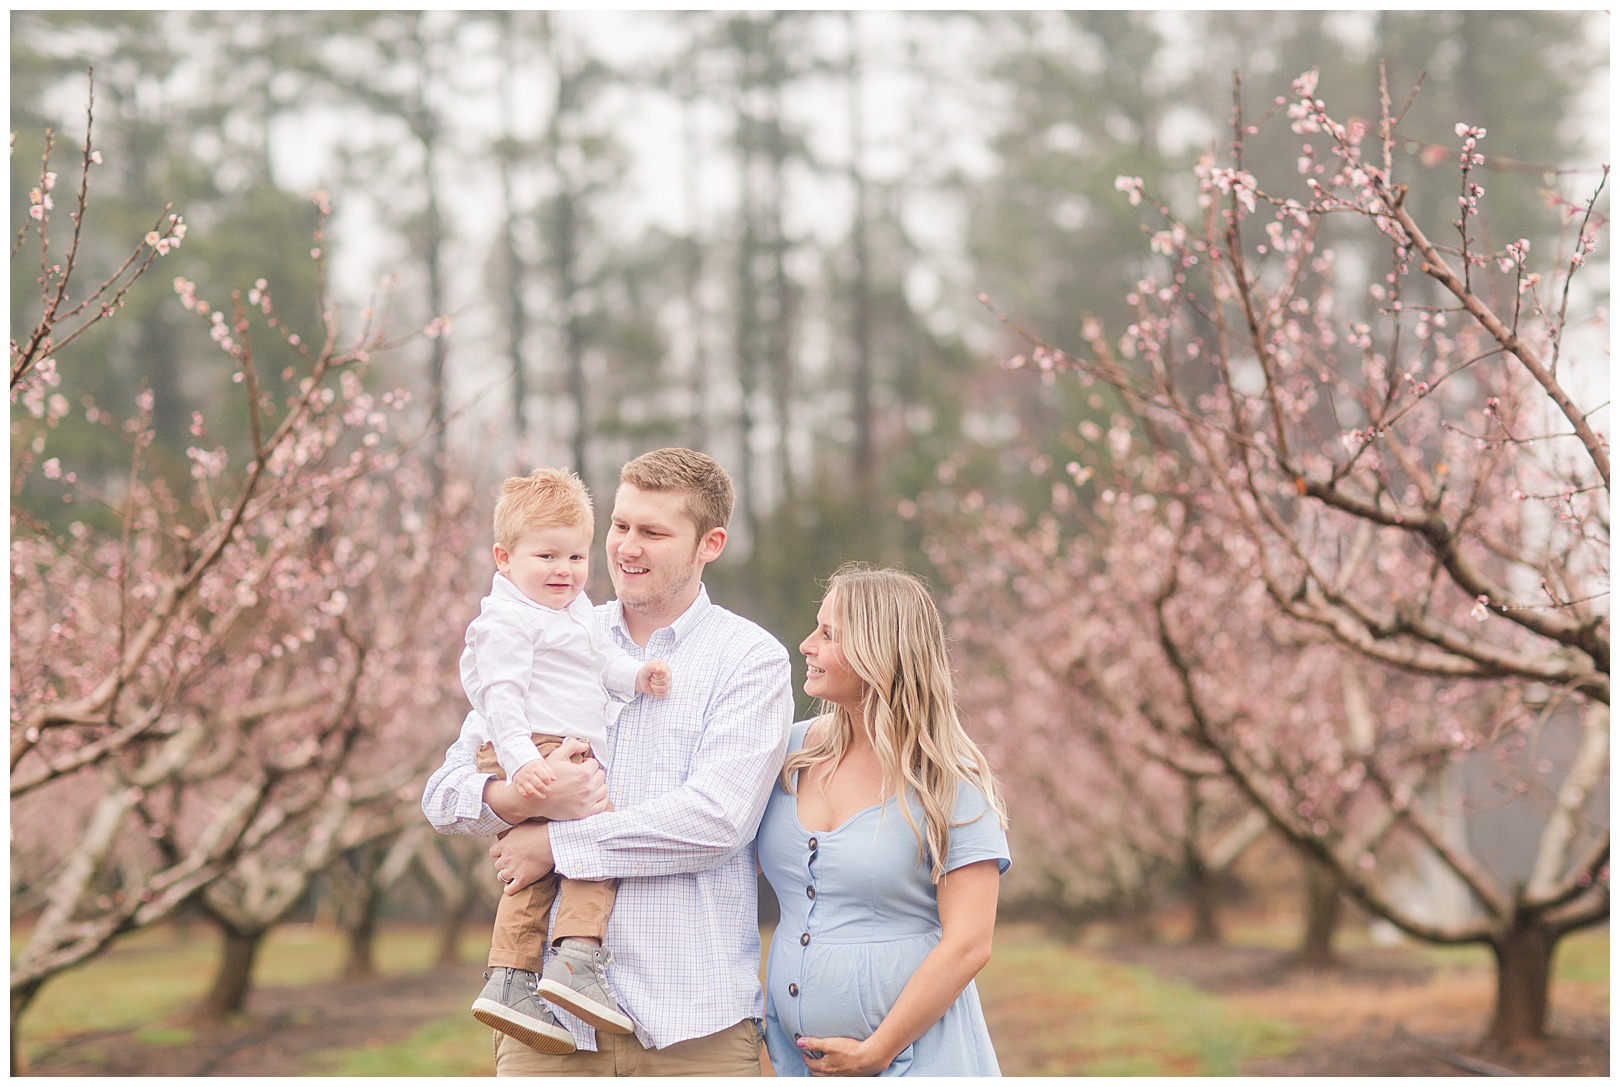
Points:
(689, 776)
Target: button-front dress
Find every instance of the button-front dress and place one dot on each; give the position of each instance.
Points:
(859, 914)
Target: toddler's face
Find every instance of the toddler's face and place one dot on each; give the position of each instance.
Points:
(548, 565)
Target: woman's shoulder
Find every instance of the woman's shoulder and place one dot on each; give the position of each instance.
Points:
(798, 735)
(977, 831)
(971, 800)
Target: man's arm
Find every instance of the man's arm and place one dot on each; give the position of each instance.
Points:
(458, 799)
(717, 809)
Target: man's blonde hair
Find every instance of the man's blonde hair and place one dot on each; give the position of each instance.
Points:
(545, 498)
(707, 486)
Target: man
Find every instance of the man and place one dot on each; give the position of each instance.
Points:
(689, 777)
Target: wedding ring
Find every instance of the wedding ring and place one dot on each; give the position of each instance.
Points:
(503, 877)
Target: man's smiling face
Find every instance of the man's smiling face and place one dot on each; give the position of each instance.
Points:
(655, 557)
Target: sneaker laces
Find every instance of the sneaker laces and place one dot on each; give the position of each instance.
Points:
(532, 986)
(599, 964)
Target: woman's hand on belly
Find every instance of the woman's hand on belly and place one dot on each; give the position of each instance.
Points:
(843, 1057)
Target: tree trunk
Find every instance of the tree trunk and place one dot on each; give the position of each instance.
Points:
(1137, 920)
(450, 931)
(1324, 905)
(359, 894)
(424, 125)
(1523, 977)
(229, 992)
(1068, 926)
(1203, 894)
(362, 938)
(458, 910)
(864, 463)
(1202, 890)
(691, 172)
(21, 996)
(517, 314)
(748, 249)
(564, 252)
(781, 326)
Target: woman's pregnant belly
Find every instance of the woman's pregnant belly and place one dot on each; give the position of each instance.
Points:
(839, 990)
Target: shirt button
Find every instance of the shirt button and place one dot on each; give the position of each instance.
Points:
(812, 844)
(793, 990)
(804, 941)
(811, 891)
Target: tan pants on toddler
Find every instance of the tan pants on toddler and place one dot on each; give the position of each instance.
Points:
(522, 919)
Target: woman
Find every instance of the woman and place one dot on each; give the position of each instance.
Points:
(887, 906)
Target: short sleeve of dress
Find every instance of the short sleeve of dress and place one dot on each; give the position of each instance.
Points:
(980, 836)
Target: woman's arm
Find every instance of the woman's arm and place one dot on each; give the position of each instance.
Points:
(967, 917)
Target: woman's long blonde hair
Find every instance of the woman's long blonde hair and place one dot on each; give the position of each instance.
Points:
(894, 640)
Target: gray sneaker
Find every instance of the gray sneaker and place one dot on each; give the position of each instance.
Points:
(576, 980)
(508, 1004)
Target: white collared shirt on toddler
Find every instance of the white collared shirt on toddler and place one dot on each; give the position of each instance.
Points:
(528, 668)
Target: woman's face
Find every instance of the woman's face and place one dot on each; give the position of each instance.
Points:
(828, 675)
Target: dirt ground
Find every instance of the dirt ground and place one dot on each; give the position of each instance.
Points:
(1381, 1015)
(1384, 1034)
(282, 1028)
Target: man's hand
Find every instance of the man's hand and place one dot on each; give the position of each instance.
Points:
(577, 789)
(533, 778)
(654, 678)
(523, 855)
(580, 788)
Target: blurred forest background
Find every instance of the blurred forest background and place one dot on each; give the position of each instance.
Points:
(762, 235)
(566, 238)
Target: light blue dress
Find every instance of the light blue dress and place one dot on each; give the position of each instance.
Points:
(859, 914)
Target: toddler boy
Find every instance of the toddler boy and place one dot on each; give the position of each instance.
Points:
(537, 668)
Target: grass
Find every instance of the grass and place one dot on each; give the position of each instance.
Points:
(445, 1047)
(168, 968)
(1053, 1009)
(1460, 991)
(1584, 957)
(153, 977)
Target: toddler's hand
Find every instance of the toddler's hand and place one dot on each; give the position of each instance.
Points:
(532, 778)
(654, 679)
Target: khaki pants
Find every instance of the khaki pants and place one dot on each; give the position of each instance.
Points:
(521, 919)
(734, 1051)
